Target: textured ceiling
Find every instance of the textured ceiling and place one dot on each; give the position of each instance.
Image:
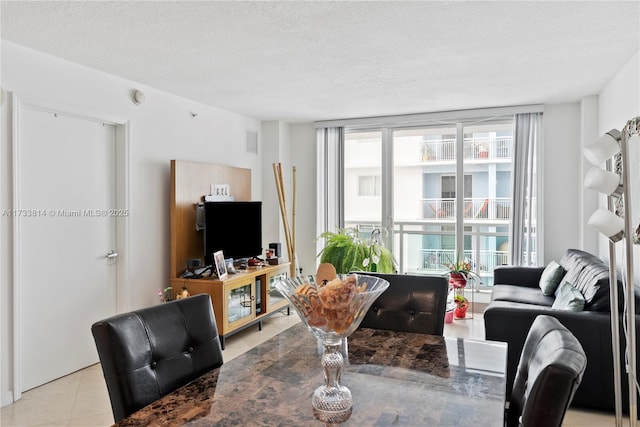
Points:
(306, 61)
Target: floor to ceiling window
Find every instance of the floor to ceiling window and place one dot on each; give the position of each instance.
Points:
(432, 189)
(363, 181)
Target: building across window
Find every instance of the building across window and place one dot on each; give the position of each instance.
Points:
(369, 186)
(422, 208)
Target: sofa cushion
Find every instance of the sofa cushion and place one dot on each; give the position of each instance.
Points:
(568, 298)
(589, 275)
(551, 277)
(521, 294)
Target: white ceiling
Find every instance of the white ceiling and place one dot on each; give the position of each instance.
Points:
(307, 61)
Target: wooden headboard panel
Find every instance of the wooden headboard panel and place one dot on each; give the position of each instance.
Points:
(190, 181)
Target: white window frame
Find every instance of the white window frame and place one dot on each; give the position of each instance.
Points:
(387, 124)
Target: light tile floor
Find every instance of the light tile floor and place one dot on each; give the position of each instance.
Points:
(81, 399)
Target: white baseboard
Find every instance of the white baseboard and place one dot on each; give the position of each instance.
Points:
(7, 398)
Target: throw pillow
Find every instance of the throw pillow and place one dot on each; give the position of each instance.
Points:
(550, 278)
(568, 298)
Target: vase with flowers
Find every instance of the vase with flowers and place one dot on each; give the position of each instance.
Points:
(459, 273)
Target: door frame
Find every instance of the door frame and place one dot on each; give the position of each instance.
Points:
(122, 125)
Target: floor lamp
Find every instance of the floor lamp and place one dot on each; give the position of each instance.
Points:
(615, 223)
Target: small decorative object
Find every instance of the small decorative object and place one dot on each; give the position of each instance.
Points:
(274, 261)
(448, 316)
(183, 294)
(231, 269)
(460, 312)
(254, 262)
(165, 294)
(347, 252)
(221, 265)
(332, 308)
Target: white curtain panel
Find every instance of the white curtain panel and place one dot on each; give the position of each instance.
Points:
(523, 231)
(330, 194)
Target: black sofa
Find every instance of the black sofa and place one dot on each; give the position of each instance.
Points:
(517, 299)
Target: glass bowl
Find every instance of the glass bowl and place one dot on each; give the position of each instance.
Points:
(332, 311)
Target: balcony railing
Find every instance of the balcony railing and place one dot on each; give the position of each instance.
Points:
(486, 148)
(474, 209)
(482, 262)
(414, 258)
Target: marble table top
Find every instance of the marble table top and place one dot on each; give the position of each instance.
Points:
(396, 379)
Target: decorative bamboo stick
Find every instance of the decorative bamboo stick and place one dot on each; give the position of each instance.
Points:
(277, 171)
(287, 229)
(281, 201)
(293, 220)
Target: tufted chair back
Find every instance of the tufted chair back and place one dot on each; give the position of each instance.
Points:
(148, 353)
(411, 303)
(549, 372)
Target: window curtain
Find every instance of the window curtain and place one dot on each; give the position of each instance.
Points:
(523, 232)
(330, 193)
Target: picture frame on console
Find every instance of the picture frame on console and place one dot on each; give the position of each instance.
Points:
(220, 265)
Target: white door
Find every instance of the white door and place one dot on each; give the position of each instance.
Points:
(66, 188)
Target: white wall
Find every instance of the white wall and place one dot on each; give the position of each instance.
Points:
(590, 198)
(562, 157)
(161, 129)
(274, 137)
(292, 145)
(303, 157)
(279, 144)
(618, 102)
(567, 128)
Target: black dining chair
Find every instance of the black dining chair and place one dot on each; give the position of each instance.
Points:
(411, 303)
(550, 370)
(148, 353)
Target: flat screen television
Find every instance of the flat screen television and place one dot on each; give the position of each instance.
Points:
(233, 227)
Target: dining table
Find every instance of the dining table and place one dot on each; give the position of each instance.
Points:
(396, 379)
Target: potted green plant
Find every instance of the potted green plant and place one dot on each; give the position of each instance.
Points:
(348, 252)
(460, 312)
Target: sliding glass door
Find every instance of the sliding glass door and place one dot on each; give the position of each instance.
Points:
(437, 192)
(487, 149)
(424, 198)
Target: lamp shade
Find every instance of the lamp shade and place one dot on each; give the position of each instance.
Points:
(608, 224)
(603, 181)
(603, 148)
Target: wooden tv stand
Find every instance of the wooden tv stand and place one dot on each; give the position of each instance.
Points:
(242, 299)
(235, 299)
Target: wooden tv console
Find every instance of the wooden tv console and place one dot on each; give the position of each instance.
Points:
(235, 299)
(242, 299)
